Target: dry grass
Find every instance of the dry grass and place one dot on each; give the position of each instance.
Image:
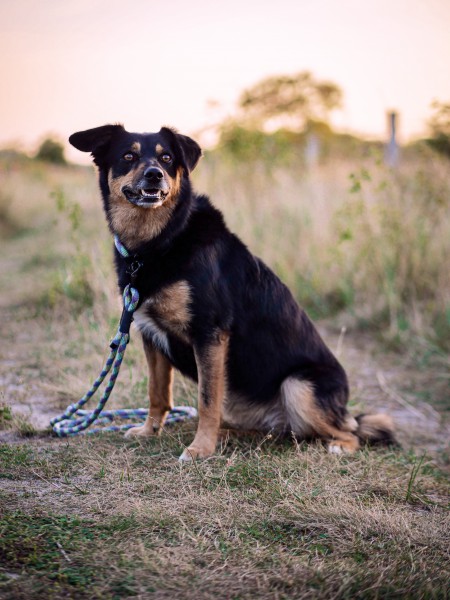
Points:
(112, 519)
(104, 517)
(360, 238)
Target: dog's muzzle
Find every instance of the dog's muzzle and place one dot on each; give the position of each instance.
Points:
(150, 191)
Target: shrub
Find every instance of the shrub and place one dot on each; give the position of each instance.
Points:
(51, 151)
(440, 129)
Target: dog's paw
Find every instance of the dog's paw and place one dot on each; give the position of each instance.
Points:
(341, 447)
(334, 449)
(194, 452)
(142, 431)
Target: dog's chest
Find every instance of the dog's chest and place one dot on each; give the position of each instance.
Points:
(166, 312)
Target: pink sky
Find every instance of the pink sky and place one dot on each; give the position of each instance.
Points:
(72, 64)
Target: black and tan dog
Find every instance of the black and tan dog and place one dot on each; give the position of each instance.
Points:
(211, 309)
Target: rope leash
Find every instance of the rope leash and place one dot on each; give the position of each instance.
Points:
(74, 420)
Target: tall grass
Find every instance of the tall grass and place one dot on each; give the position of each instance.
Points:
(360, 239)
(363, 238)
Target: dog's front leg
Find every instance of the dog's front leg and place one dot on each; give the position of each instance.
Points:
(159, 390)
(211, 367)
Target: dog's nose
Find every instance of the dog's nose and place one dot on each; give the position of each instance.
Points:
(153, 174)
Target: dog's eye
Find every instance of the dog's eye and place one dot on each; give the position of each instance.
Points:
(166, 158)
(129, 156)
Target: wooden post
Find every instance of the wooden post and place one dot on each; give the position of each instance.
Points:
(392, 149)
(312, 150)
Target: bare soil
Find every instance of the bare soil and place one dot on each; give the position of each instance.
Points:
(381, 381)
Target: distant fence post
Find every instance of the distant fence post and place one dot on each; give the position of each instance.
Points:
(312, 150)
(392, 151)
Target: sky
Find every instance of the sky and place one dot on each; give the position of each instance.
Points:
(68, 65)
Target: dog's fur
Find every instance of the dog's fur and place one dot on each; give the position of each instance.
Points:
(211, 309)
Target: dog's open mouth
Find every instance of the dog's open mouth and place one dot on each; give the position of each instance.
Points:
(144, 197)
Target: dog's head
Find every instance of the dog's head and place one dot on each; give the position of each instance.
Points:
(144, 178)
(143, 169)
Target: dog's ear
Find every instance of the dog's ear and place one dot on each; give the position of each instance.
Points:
(93, 140)
(189, 149)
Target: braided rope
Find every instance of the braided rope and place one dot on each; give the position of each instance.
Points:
(74, 420)
(120, 247)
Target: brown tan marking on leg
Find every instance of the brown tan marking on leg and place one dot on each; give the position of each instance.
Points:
(211, 363)
(305, 417)
(159, 391)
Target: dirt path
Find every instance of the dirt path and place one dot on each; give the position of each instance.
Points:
(381, 381)
(416, 398)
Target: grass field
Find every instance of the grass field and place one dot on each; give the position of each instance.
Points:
(366, 250)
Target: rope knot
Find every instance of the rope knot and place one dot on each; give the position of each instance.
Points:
(130, 298)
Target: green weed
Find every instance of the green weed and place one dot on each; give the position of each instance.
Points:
(14, 456)
(414, 473)
(5, 415)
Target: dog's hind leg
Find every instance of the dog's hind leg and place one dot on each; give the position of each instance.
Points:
(306, 418)
(211, 361)
(159, 391)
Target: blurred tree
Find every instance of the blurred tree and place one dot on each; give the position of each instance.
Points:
(289, 101)
(51, 151)
(439, 125)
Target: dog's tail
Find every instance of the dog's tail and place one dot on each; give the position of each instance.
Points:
(376, 429)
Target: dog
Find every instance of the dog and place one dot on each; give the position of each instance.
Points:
(212, 310)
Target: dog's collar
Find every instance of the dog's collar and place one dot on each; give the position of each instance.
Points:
(134, 262)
